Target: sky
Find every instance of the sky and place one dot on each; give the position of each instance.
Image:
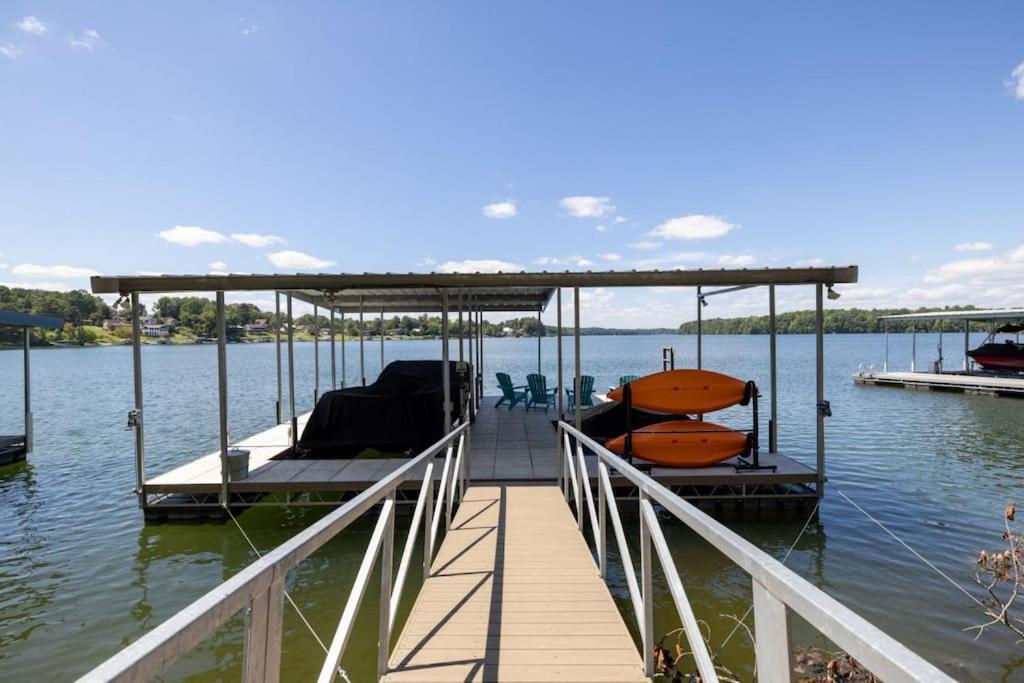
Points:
(195, 137)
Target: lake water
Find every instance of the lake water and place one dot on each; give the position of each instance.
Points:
(81, 576)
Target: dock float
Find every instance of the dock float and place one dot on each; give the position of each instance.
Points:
(980, 384)
(514, 595)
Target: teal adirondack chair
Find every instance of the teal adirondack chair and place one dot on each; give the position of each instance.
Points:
(586, 393)
(624, 380)
(510, 394)
(540, 395)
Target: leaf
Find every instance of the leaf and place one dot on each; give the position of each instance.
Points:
(1011, 510)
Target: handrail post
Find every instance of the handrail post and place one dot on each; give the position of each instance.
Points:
(602, 529)
(387, 553)
(647, 596)
(584, 481)
(428, 525)
(771, 635)
(263, 633)
(559, 457)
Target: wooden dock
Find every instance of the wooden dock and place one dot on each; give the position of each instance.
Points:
(978, 383)
(514, 595)
(506, 446)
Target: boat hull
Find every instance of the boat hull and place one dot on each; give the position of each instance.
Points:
(687, 392)
(683, 443)
(1006, 357)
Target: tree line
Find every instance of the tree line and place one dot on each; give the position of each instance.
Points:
(835, 321)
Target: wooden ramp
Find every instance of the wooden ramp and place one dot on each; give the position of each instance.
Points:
(514, 595)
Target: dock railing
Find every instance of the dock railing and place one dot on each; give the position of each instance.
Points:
(775, 587)
(259, 588)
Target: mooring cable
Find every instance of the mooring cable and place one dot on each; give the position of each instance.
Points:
(785, 557)
(341, 672)
(921, 557)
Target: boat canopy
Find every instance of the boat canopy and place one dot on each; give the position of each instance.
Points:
(422, 292)
(978, 315)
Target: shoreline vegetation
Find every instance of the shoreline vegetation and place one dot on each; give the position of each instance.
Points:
(191, 320)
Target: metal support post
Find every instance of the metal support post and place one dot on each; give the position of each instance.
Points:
(819, 377)
(885, 364)
(540, 333)
(446, 374)
(277, 355)
(967, 344)
(387, 553)
(700, 314)
(316, 352)
(28, 390)
(222, 396)
(576, 341)
(558, 345)
(461, 331)
(362, 352)
(771, 638)
(293, 418)
(773, 430)
(334, 371)
(344, 370)
(913, 347)
(382, 339)
(136, 418)
(646, 594)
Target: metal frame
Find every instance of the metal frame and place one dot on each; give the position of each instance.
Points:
(775, 587)
(259, 588)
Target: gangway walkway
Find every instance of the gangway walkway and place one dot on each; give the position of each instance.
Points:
(514, 595)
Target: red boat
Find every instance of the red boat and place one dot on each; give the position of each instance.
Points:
(1007, 356)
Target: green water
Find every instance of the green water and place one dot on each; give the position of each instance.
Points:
(81, 576)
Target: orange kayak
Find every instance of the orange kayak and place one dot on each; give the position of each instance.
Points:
(683, 443)
(684, 391)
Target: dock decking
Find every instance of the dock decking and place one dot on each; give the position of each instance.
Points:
(514, 595)
(506, 446)
(991, 385)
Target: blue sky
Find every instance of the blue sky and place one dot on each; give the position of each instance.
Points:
(141, 137)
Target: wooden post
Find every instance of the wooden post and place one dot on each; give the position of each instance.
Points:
(771, 629)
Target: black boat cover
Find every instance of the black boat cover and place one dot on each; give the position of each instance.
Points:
(402, 411)
(608, 420)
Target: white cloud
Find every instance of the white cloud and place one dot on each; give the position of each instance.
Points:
(248, 29)
(296, 260)
(611, 256)
(584, 263)
(32, 270)
(32, 25)
(619, 219)
(601, 228)
(479, 266)
(973, 246)
(500, 210)
(813, 262)
(426, 262)
(674, 260)
(89, 39)
(645, 245)
(191, 236)
(218, 265)
(586, 206)
(693, 227)
(1016, 82)
(738, 260)
(255, 240)
(10, 50)
(980, 271)
(548, 261)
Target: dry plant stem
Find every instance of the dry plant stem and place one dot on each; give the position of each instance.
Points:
(994, 568)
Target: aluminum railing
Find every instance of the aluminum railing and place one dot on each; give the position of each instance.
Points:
(259, 588)
(775, 587)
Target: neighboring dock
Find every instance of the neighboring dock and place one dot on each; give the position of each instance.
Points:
(978, 383)
(514, 595)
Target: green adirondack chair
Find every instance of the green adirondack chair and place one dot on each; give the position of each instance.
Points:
(510, 394)
(540, 395)
(586, 393)
(625, 379)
